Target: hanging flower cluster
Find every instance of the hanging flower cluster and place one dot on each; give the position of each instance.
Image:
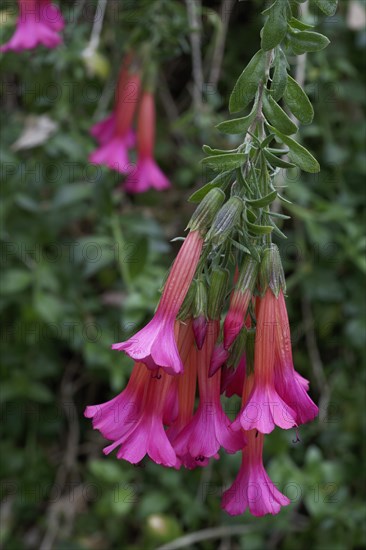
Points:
(116, 136)
(157, 415)
(39, 22)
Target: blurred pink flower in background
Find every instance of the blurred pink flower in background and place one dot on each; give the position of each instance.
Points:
(39, 22)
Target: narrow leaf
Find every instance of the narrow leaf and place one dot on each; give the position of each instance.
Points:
(298, 154)
(275, 161)
(275, 27)
(329, 7)
(298, 102)
(236, 125)
(277, 116)
(222, 180)
(225, 162)
(307, 41)
(247, 83)
(259, 229)
(210, 151)
(279, 81)
(263, 201)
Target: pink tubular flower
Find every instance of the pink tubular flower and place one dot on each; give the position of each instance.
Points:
(265, 408)
(155, 345)
(253, 488)
(147, 435)
(186, 392)
(114, 133)
(147, 173)
(38, 22)
(116, 417)
(209, 429)
(290, 385)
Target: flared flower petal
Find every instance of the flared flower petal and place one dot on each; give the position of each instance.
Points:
(209, 428)
(37, 24)
(155, 344)
(113, 153)
(253, 489)
(117, 416)
(265, 410)
(146, 175)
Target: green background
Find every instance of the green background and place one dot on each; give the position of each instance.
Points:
(82, 264)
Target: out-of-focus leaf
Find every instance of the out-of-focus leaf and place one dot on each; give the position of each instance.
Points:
(15, 280)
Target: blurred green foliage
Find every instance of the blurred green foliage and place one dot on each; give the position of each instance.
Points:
(82, 266)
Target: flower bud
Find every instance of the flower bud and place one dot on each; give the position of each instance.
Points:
(225, 220)
(249, 350)
(206, 210)
(217, 292)
(271, 271)
(218, 358)
(186, 309)
(200, 313)
(240, 300)
(238, 348)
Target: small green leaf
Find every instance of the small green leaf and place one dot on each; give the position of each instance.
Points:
(275, 27)
(275, 161)
(329, 7)
(240, 246)
(237, 125)
(307, 41)
(298, 154)
(278, 215)
(222, 180)
(225, 162)
(298, 102)
(263, 201)
(279, 80)
(259, 229)
(277, 116)
(247, 83)
(276, 230)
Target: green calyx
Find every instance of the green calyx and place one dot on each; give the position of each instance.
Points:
(226, 220)
(186, 309)
(248, 274)
(206, 211)
(200, 299)
(271, 273)
(217, 292)
(238, 348)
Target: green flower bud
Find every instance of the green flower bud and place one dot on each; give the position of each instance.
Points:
(206, 210)
(200, 299)
(271, 271)
(217, 292)
(225, 220)
(249, 350)
(186, 309)
(237, 349)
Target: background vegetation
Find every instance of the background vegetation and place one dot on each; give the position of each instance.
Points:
(83, 264)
